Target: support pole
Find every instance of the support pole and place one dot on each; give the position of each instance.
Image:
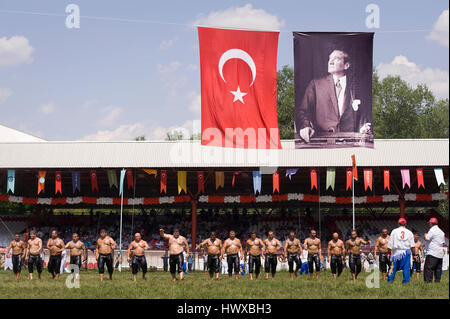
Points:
(120, 235)
(194, 225)
(353, 200)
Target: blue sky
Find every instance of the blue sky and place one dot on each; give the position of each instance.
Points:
(115, 79)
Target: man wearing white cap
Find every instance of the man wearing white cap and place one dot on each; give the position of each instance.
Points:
(401, 241)
(435, 252)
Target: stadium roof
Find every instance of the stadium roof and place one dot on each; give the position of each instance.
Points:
(8, 134)
(190, 154)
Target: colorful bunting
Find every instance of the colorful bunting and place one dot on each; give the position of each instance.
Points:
(349, 175)
(130, 178)
(201, 182)
(11, 181)
(94, 183)
(439, 176)
(331, 177)
(220, 180)
(387, 178)
(276, 182)
(153, 172)
(368, 177)
(420, 180)
(122, 179)
(112, 178)
(257, 181)
(313, 178)
(163, 182)
(41, 181)
(58, 179)
(76, 181)
(290, 172)
(355, 169)
(182, 181)
(405, 177)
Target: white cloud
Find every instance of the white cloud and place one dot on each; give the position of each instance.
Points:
(15, 50)
(47, 108)
(195, 105)
(4, 94)
(440, 29)
(109, 115)
(192, 67)
(168, 68)
(172, 79)
(88, 104)
(166, 44)
(437, 80)
(241, 17)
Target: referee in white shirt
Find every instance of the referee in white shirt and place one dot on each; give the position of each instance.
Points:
(435, 252)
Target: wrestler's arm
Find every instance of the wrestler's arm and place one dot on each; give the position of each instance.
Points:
(7, 250)
(375, 249)
(48, 244)
(329, 250)
(263, 250)
(364, 242)
(40, 245)
(285, 248)
(187, 246)
(25, 251)
(320, 250)
(130, 247)
(84, 257)
(113, 244)
(96, 249)
(146, 246)
(246, 250)
(163, 235)
(222, 251)
(240, 247)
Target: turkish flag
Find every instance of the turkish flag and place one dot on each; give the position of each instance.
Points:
(163, 181)
(58, 182)
(420, 181)
(276, 182)
(94, 183)
(130, 179)
(387, 176)
(355, 169)
(349, 178)
(313, 178)
(239, 88)
(201, 182)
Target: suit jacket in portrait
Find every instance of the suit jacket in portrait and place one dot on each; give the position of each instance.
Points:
(319, 108)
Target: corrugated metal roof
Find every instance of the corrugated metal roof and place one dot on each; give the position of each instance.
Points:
(155, 154)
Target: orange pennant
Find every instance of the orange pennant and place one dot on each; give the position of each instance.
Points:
(355, 169)
(420, 180)
(41, 181)
(58, 183)
(163, 182)
(368, 177)
(387, 176)
(276, 182)
(313, 178)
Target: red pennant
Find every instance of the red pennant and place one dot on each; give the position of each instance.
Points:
(41, 181)
(355, 169)
(349, 175)
(368, 177)
(130, 179)
(163, 181)
(234, 177)
(94, 183)
(420, 181)
(58, 183)
(313, 178)
(387, 174)
(238, 88)
(276, 182)
(201, 182)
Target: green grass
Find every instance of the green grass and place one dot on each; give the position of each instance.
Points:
(198, 285)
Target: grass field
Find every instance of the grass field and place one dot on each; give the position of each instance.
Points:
(198, 285)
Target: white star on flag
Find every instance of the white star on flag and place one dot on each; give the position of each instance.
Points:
(238, 95)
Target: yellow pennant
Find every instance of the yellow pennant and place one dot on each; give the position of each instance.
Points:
(151, 171)
(182, 182)
(220, 179)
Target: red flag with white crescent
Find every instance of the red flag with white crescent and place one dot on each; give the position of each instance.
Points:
(349, 175)
(355, 169)
(163, 181)
(201, 182)
(420, 180)
(239, 88)
(94, 183)
(58, 182)
(130, 179)
(387, 177)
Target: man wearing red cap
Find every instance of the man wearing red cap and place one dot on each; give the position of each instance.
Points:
(435, 252)
(401, 241)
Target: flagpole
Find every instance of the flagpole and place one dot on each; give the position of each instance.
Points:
(353, 200)
(120, 235)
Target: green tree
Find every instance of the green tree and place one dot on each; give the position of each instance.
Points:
(285, 102)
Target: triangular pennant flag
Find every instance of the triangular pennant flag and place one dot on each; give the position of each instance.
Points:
(94, 183)
(220, 180)
(276, 182)
(257, 181)
(355, 169)
(58, 179)
(313, 178)
(234, 178)
(331, 177)
(182, 182)
(76, 181)
(153, 172)
(41, 181)
(11, 181)
(387, 178)
(290, 172)
(438, 172)
(349, 176)
(368, 177)
(130, 178)
(112, 178)
(122, 179)
(420, 180)
(163, 187)
(405, 177)
(201, 182)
